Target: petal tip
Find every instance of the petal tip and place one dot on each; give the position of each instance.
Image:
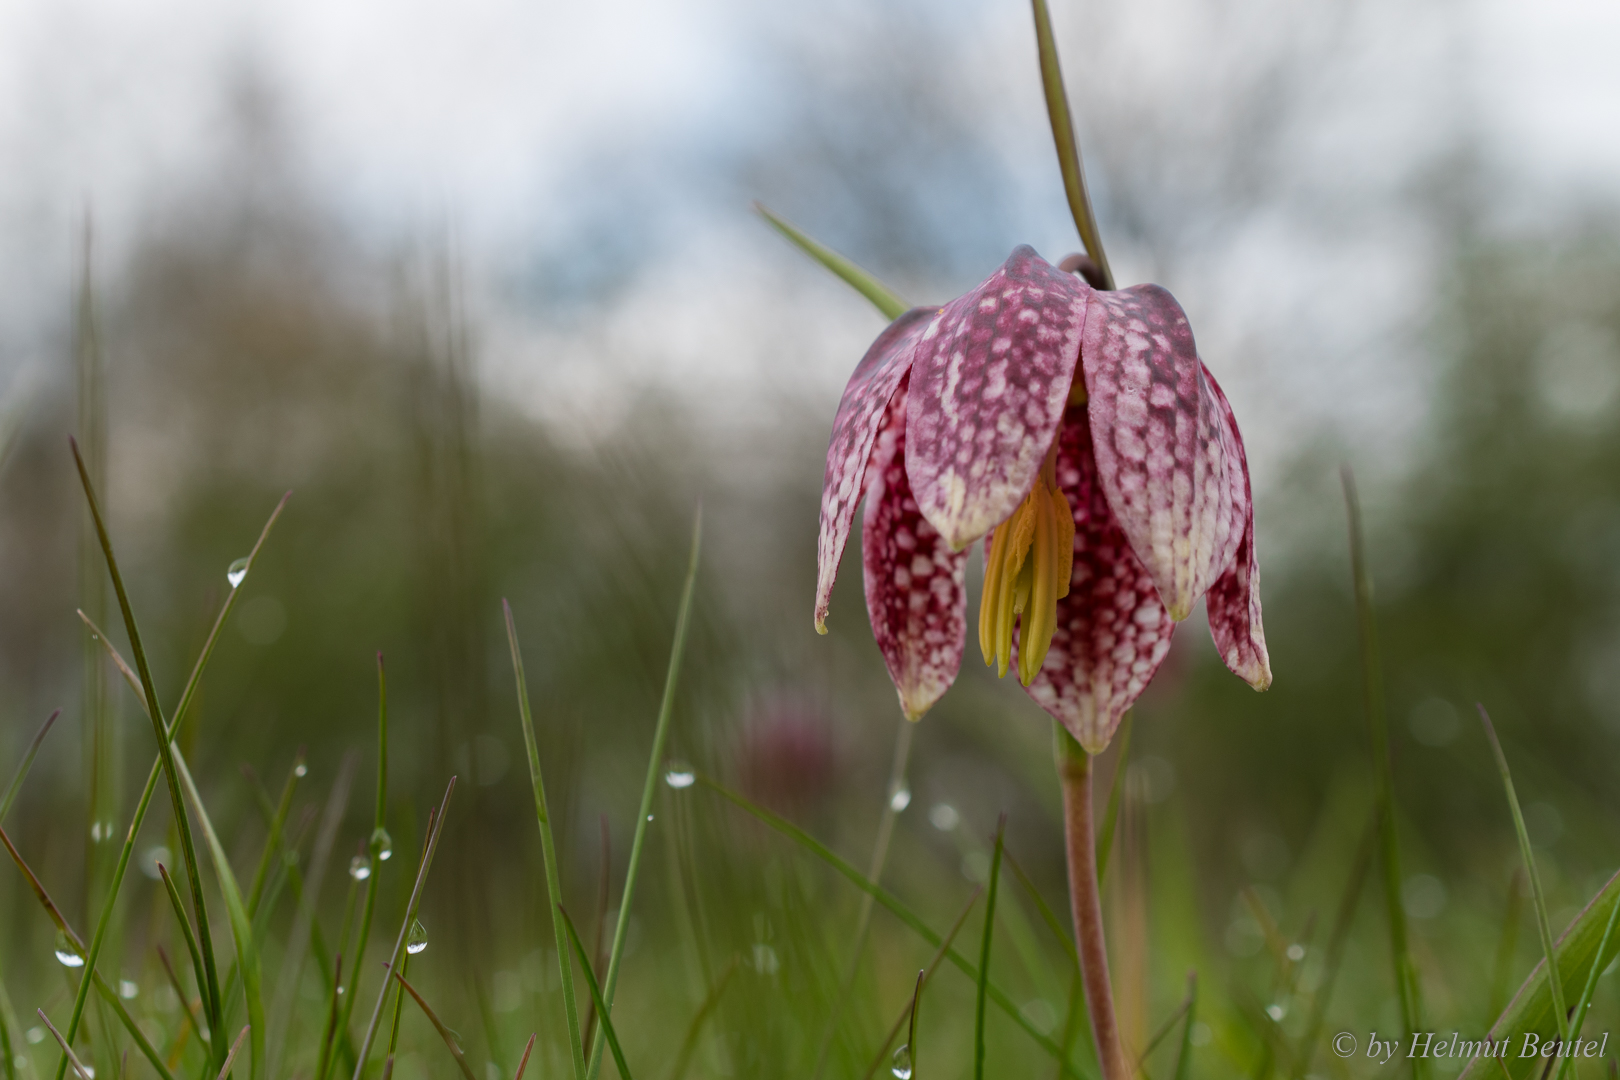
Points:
(821, 626)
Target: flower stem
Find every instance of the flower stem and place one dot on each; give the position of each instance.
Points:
(1074, 770)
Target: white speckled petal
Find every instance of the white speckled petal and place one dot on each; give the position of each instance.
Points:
(914, 581)
(1164, 451)
(860, 413)
(989, 384)
(1233, 601)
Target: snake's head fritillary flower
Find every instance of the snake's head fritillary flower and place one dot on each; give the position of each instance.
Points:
(1080, 433)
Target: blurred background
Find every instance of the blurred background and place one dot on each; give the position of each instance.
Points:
(481, 285)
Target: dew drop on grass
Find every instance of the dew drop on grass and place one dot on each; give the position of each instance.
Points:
(900, 799)
(36, 1035)
(680, 775)
(649, 817)
(1296, 952)
(236, 572)
(359, 868)
(301, 770)
(901, 1065)
(127, 990)
(67, 953)
(1277, 1012)
(382, 844)
(417, 940)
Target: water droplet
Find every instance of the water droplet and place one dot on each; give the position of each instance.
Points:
(649, 817)
(901, 1065)
(300, 770)
(36, 1035)
(1277, 1012)
(359, 868)
(382, 844)
(87, 1071)
(417, 941)
(67, 952)
(236, 572)
(900, 799)
(1296, 952)
(127, 990)
(680, 775)
(944, 817)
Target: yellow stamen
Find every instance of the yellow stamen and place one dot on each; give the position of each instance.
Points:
(1027, 571)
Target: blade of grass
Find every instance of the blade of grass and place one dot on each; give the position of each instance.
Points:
(689, 1044)
(655, 762)
(1169, 1024)
(1116, 791)
(160, 730)
(596, 996)
(1407, 990)
(1184, 1057)
(984, 954)
(1048, 916)
(1333, 959)
(275, 819)
(230, 1058)
(94, 977)
(1068, 147)
(1531, 1011)
(104, 919)
(27, 763)
(1506, 944)
(247, 953)
(874, 872)
(180, 916)
(1537, 896)
(896, 908)
(598, 961)
(399, 1004)
(885, 299)
(85, 1073)
(374, 852)
(1586, 993)
(926, 974)
(437, 827)
(548, 849)
(523, 1062)
(332, 1010)
(438, 1025)
(179, 990)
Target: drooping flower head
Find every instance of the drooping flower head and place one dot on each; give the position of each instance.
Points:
(1076, 430)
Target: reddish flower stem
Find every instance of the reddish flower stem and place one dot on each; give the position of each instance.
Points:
(1074, 769)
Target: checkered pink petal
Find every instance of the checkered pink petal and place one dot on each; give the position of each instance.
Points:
(990, 381)
(1233, 601)
(860, 412)
(1112, 631)
(1163, 446)
(914, 581)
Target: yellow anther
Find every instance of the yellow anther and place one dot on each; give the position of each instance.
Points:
(1027, 571)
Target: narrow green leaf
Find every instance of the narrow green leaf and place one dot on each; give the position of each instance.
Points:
(247, 954)
(1116, 791)
(900, 911)
(275, 821)
(655, 765)
(180, 991)
(1531, 1013)
(548, 849)
(160, 730)
(1184, 1057)
(596, 996)
(438, 1025)
(368, 908)
(1407, 989)
(1586, 993)
(186, 933)
(27, 763)
(885, 299)
(984, 953)
(1537, 895)
(689, 1044)
(435, 828)
(908, 1014)
(1169, 1024)
(1068, 147)
(1506, 945)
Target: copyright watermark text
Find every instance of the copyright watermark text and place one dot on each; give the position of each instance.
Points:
(1434, 1044)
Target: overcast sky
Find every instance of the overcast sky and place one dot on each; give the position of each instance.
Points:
(484, 114)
